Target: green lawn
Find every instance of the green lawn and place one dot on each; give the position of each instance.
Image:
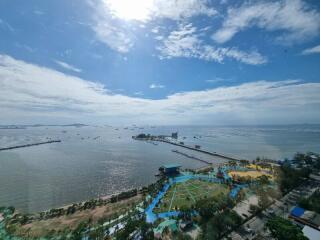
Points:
(187, 193)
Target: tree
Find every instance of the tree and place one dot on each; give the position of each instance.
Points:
(263, 180)
(283, 229)
(146, 230)
(77, 233)
(97, 233)
(312, 203)
(244, 162)
(254, 209)
(71, 209)
(180, 236)
(205, 207)
(216, 226)
(263, 199)
(232, 163)
(290, 178)
(186, 212)
(241, 195)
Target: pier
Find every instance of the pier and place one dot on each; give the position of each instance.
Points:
(215, 154)
(29, 145)
(192, 157)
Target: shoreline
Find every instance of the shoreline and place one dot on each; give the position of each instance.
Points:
(67, 205)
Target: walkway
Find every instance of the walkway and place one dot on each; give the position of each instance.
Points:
(173, 195)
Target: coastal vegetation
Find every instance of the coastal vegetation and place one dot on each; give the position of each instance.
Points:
(213, 226)
(283, 229)
(290, 177)
(135, 227)
(310, 159)
(69, 220)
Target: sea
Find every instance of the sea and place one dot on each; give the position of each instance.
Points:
(97, 161)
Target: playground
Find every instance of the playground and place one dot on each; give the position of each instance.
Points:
(187, 193)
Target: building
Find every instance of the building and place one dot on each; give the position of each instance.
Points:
(311, 233)
(170, 224)
(185, 225)
(174, 135)
(170, 169)
(305, 217)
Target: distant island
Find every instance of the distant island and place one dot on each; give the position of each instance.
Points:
(41, 125)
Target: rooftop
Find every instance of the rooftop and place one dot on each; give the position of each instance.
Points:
(173, 165)
(297, 212)
(170, 223)
(311, 233)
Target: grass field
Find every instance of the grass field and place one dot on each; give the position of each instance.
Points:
(187, 193)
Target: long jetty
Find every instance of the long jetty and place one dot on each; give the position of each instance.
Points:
(29, 145)
(199, 150)
(192, 157)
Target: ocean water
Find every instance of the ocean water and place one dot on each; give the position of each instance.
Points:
(97, 161)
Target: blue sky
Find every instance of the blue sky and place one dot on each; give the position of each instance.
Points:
(160, 61)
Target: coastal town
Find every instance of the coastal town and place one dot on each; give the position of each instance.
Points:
(238, 199)
(160, 120)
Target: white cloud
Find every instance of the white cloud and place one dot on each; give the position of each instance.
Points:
(6, 25)
(138, 93)
(312, 50)
(178, 9)
(109, 30)
(155, 30)
(146, 10)
(28, 91)
(159, 38)
(185, 42)
(298, 21)
(31, 88)
(153, 86)
(114, 34)
(216, 80)
(181, 43)
(38, 12)
(68, 66)
(25, 47)
(110, 17)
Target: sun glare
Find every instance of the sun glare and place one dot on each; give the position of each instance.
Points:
(130, 9)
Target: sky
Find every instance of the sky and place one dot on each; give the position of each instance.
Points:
(160, 62)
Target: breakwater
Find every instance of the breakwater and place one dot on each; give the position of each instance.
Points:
(29, 145)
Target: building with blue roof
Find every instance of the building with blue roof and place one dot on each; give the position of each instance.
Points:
(297, 212)
(170, 169)
(305, 217)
